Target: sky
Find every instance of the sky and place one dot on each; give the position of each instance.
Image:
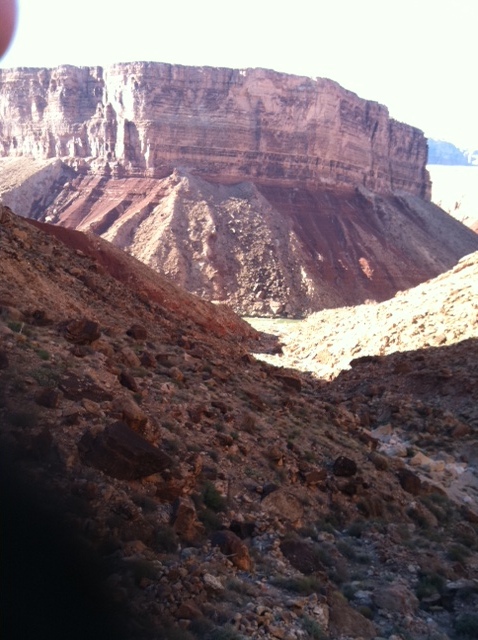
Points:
(418, 57)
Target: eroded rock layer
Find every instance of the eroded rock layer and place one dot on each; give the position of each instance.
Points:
(276, 194)
(229, 124)
(267, 249)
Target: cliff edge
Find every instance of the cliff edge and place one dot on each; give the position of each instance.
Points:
(273, 193)
(227, 124)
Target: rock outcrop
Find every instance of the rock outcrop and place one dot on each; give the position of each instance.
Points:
(276, 194)
(224, 124)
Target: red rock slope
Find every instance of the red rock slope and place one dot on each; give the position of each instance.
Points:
(276, 194)
(149, 463)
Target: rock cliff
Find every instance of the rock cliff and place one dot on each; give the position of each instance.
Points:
(274, 193)
(223, 124)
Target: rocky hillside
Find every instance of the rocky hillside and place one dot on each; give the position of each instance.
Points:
(439, 312)
(204, 493)
(274, 193)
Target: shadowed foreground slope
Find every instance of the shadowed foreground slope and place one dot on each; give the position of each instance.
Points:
(220, 496)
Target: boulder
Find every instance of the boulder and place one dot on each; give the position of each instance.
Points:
(49, 398)
(283, 504)
(127, 380)
(233, 547)
(132, 415)
(83, 331)
(346, 621)
(137, 332)
(397, 598)
(409, 481)
(302, 555)
(121, 453)
(78, 387)
(345, 467)
(184, 520)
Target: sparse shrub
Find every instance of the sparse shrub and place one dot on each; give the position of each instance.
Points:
(366, 612)
(142, 569)
(46, 376)
(379, 460)
(467, 626)
(313, 628)
(166, 539)
(357, 528)
(227, 632)
(212, 498)
(309, 456)
(346, 550)
(213, 454)
(201, 627)
(440, 505)
(457, 553)
(147, 504)
(242, 586)
(175, 633)
(348, 591)
(172, 445)
(326, 526)
(305, 585)
(418, 517)
(249, 423)
(211, 520)
(16, 327)
(308, 531)
(140, 372)
(43, 354)
(429, 584)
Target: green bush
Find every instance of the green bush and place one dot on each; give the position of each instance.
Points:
(458, 553)
(224, 633)
(211, 520)
(166, 539)
(16, 327)
(212, 498)
(429, 584)
(305, 585)
(467, 626)
(313, 628)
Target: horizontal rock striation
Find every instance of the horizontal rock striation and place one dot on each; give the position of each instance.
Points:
(222, 124)
(267, 249)
(275, 194)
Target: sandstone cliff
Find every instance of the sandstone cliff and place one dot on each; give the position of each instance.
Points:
(231, 125)
(276, 194)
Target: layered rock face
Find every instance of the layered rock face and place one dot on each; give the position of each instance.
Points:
(223, 124)
(276, 194)
(267, 249)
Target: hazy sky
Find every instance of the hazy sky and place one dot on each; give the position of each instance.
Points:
(418, 57)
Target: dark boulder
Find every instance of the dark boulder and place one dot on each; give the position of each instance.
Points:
(122, 453)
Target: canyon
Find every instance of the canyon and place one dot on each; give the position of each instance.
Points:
(196, 491)
(275, 194)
